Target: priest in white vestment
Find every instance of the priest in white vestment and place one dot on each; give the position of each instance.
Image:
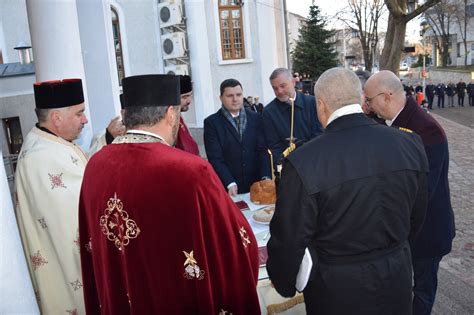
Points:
(48, 181)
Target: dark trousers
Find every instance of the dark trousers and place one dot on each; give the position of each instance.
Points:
(430, 102)
(378, 286)
(425, 277)
(461, 100)
(441, 101)
(471, 99)
(451, 100)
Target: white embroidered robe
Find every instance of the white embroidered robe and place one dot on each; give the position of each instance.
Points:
(98, 142)
(48, 181)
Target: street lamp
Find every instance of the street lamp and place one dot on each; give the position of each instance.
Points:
(411, 5)
(373, 47)
(424, 26)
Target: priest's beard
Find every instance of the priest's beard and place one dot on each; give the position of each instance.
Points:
(175, 127)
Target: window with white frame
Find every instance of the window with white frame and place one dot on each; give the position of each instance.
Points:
(117, 45)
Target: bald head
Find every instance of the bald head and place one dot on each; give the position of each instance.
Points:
(384, 94)
(385, 81)
(338, 87)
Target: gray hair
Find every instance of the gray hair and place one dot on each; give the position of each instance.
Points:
(42, 114)
(339, 87)
(145, 116)
(279, 71)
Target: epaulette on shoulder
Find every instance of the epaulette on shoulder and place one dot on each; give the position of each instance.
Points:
(405, 129)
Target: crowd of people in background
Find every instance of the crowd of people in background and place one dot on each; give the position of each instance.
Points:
(455, 93)
(253, 103)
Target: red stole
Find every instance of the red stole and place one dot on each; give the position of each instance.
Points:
(185, 141)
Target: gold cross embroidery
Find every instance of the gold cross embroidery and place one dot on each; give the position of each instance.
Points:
(244, 236)
(189, 258)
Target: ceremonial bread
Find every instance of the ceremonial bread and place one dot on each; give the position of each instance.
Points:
(263, 192)
(264, 216)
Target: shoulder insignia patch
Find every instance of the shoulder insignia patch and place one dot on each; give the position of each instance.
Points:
(405, 129)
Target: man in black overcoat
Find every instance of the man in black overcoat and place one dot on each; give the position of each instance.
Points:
(354, 197)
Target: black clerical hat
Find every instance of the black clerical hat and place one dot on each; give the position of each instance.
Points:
(122, 101)
(151, 90)
(186, 86)
(58, 94)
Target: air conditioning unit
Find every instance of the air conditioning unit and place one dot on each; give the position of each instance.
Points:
(177, 70)
(173, 45)
(170, 14)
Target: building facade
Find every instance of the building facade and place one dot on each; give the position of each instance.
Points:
(454, 27)
(103, 41)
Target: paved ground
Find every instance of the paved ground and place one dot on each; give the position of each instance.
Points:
(456, 275)
(462, 115)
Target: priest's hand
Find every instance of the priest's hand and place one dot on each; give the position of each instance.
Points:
(115, 127)
(232, 190)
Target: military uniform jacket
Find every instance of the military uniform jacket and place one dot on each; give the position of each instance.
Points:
(470, 89)
(461, 89)
(353, 196)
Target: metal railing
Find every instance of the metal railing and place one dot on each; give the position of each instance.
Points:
(9, 162)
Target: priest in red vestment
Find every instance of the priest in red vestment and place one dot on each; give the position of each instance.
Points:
(185, 141)
(158, 232)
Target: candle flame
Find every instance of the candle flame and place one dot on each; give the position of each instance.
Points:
(269, 152)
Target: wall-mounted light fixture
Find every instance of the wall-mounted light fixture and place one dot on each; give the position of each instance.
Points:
(24, 51)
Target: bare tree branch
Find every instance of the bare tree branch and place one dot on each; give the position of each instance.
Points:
(365, 15)
(428, 4)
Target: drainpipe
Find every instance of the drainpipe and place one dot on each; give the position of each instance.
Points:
(287, 42)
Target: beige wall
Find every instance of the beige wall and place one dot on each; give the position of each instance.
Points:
(280, 33)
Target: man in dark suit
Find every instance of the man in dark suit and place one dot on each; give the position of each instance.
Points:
(277, 114)
(470, 92)
(234, 141)
(257, 106)
(440, 92)
(450, 91)
(461, 91)
(435, 239)
(353, 197)
(430, 92)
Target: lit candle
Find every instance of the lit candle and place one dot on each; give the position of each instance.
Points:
(271, 164)
(292, 119)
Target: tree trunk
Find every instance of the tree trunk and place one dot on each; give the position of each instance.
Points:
(445, 53)
(466, 51)
(394, 44)
(367, 56)
(465, 34)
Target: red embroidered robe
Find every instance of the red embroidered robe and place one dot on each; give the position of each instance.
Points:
(185, 141)
(159, 235)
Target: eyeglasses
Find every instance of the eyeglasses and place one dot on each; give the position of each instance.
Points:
(370, 99)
